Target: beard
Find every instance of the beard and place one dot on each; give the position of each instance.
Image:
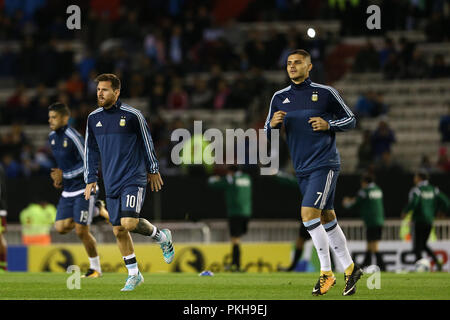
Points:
(107, 103)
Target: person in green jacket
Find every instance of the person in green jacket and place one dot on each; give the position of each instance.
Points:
(37, 219)
(425, 200)
(238, 196)
(369, 204)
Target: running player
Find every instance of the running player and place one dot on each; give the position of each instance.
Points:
(312, 114)
(118, 135)
(73, 210)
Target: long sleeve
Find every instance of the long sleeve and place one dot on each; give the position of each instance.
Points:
(442, 201)
(79, 146)
(345, 119)
(151, 161)
(92, 156)
(413, 200)
(272, 110)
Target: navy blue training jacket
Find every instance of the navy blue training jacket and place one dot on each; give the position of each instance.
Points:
(68, 149)
(311, 150)
(120, 138)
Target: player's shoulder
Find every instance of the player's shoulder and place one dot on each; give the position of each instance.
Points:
(96, 111)
(72, 132)
(131, 110)
(324, 88)
(280, 93)
(51, 133)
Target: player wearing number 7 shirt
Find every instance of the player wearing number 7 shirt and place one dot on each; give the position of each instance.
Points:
(119, 137)
(312, 114)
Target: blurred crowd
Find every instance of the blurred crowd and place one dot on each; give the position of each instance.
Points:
(401, 60)
(162, 50)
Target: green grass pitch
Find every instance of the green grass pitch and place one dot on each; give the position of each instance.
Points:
(222, 286)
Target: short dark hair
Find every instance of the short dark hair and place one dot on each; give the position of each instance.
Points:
(423, 174)
(300, 52)
(60, 108)
(115, 81)
(368, 177)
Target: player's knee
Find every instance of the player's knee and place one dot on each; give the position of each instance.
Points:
(81, 231)
(119, 231)
(61, 228)
(310, 213)
(129, 224)
(327, 216)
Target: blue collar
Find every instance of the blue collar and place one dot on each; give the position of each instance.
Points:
(302, 85)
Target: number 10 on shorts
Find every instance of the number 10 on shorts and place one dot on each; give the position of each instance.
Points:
(131, 201)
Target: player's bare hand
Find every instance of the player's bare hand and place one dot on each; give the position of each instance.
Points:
(277, 118)
(155, 181)
(318, 124)
(56, 175)
(89, 188)
(347, 202)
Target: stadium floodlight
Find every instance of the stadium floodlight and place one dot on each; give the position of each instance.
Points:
(311, 32)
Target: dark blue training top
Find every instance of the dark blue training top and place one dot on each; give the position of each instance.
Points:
(121, 137)
(310, 149)
(68, 149)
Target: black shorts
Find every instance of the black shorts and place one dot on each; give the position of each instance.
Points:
(303, 232)
(238, 226)
(373, 233)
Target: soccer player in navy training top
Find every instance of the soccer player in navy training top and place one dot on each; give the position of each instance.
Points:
(118, 135)
(73, 209)
(311, 114)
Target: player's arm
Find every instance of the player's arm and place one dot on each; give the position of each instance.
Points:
(91, 161)
(153, 176)
(443, 201)
(274, 118)
(344, 117)
(57, 176)
(78, 143)
(351, 203)
(413, 201)
(217, 182)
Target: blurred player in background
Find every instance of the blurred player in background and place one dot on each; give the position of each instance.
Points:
(118, 135)
(369, 204)
(312, 114)
(238, 196)
(3, 213)
(424, 202)
(73, 210)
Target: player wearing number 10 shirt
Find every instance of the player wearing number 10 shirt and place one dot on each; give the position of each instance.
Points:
(119, 137)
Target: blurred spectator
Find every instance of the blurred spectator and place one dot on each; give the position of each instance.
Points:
(387, 166)
(444, 126)
(392, 67)
(436, 27)
(443, 160)
(365, 152)
(426, 165)
(417, 68)
(201, 96)
(222, 93)
(75, 84)
(12, 167)
(370, 104)
(37, 220)
(387, 50)
(367, 59)
(382, 139)
(177, 97)
(439, 69)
